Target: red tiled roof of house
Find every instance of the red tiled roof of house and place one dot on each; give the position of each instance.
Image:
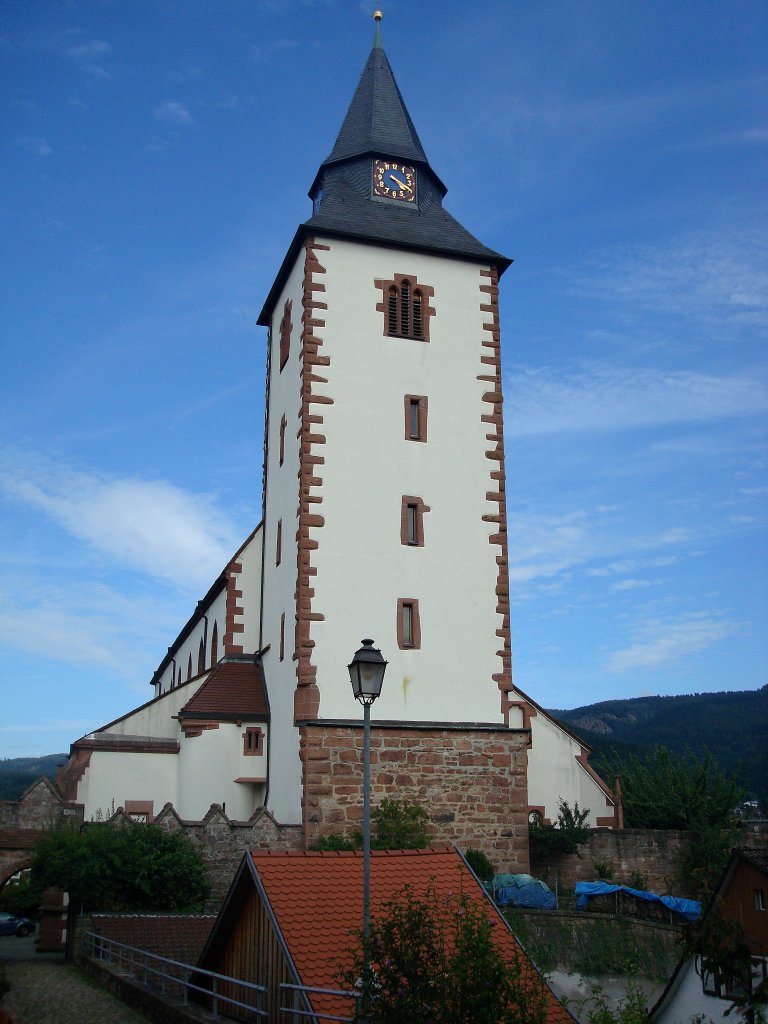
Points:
(235, 689)
(317, 900)
(176, 936)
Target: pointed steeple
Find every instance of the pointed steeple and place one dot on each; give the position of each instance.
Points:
(378, 128)
(377, 120)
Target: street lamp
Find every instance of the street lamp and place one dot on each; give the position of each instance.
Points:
(366, 673)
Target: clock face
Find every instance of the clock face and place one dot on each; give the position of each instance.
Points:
(394, 181)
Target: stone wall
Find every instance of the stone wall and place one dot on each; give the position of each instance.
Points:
(471, 780)
(222, 842)
(653, 853)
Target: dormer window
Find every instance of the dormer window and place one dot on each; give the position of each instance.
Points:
(406, 309)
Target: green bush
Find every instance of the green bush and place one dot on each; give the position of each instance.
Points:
(603, 871)
(399, 826)
(131, 867)
(562, 837)
(434, 959)
(480, 864)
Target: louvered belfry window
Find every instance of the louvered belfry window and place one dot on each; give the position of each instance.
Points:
(406, 309)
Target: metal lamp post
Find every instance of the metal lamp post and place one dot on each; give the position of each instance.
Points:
(366, 673)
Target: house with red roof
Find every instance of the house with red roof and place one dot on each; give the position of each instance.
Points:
(384, 514)
(290, 919)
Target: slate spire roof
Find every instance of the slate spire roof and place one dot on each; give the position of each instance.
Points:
(378, 125)
(377, 120)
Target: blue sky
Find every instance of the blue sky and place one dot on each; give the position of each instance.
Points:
(155, 162)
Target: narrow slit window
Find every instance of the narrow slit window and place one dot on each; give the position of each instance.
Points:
(283, 424)
(412, 514)
(415, 418)
(417, 331)
(214, 645)
(408, 624)
(392, 310)
(412, 511)
(282, 637)
(285, 334)
(405, 308)
(279, 542)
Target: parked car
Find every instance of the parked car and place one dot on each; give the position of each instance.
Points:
(12, 925)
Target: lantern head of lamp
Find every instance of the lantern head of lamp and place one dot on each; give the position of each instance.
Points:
(366, 673)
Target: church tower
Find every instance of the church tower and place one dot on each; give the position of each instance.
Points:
(384, 503)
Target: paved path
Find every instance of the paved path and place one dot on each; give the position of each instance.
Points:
(52, 992)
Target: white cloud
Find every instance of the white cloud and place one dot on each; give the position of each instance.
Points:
(631, 584)
(705, 276)
(150, 526)
(173, 112)
(89, 57)
(659, 642)
(604, 398)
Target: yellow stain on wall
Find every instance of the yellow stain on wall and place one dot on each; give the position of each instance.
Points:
(406, 684)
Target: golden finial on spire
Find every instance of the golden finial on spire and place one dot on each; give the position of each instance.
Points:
(377, 16)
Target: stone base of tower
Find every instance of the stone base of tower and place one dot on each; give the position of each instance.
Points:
(471, 779)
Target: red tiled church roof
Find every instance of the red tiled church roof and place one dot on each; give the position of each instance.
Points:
(176, 936)
(317, 901)
(235, 689)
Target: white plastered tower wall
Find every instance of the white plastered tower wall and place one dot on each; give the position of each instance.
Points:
(367, 465)
(363, 567)
(281, 504)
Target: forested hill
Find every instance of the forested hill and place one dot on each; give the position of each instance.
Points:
(16, 773)
(732, 725)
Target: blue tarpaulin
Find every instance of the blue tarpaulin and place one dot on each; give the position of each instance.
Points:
(522, 891)
(690, 909)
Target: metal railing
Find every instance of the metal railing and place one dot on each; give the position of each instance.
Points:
(172, 977)
(299, 995)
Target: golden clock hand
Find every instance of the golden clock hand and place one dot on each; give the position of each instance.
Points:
(401, 183)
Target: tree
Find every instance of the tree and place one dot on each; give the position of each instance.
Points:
(131, 867)
(564, 836)
(397, 825)
(669, 791)
(434, 960)
(400, 826)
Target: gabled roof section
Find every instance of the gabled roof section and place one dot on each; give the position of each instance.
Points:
(377, 120)
(177, 936)
(235, 690)
(316, 900)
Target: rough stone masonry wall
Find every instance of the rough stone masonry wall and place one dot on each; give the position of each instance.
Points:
(472, 781)
(653, 853)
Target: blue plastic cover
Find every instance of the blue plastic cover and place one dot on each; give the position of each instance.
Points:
(690, 909)
(522, 891)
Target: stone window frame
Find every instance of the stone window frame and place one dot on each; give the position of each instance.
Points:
(408, 622)
(285, 333)
(421, 404)
(253, 741)
(412, 509)
(405, 305)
